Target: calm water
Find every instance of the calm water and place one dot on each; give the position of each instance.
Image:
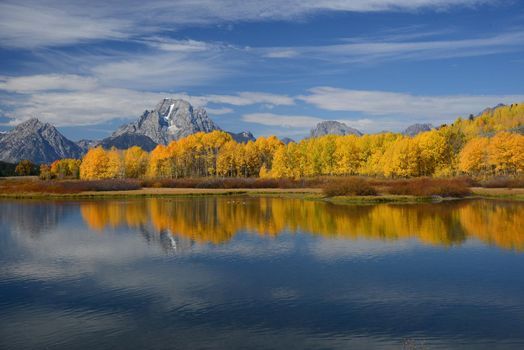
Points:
(260, 273)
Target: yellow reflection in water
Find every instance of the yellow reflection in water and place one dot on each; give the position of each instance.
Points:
(217, 220)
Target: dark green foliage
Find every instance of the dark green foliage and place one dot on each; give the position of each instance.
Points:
(7, 169)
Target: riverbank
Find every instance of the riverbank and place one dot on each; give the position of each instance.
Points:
(303, 193)
(170, 192)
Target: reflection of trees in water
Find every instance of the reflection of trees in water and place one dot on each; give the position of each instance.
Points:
(218, 219)
(31, 217)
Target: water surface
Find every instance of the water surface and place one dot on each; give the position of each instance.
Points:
(240, 272)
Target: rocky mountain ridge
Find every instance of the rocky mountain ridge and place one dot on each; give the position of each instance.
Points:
(37, 141)
(332, 127)
(171, 119)
(416, 129)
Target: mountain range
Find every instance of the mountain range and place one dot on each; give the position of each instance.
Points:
(171, 119)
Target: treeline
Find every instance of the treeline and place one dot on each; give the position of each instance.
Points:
(477, 146)
(198, 155)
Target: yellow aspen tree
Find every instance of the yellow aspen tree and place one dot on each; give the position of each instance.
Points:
(280, 166)
(115, 164)
(501, 153)
(94, 164)
(160, 163)
(473, 158)
(135, 162)
(226, 161)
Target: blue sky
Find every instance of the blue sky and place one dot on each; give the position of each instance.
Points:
(271, 67)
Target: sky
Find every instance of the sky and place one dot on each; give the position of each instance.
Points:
(270, 67)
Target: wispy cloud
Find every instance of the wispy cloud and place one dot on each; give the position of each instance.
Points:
(249, 98)
(285, 53)
(218, 111)
(287, 121)
(77, 100)
(379, 50)
(46, 82)
(37, 25)
(82, 107)
(402, 104)
(56, 22)
(159, 71)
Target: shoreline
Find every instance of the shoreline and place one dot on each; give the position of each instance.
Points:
(516, 194)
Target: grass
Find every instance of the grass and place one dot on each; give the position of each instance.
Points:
(31, 185)
(333, 189)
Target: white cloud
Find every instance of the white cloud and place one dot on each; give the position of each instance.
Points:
(402, 104)
(218, 111)
(289, 121)
(83, 107)
(159, 71)
(286, 53)
(365, 51)
(57, 22)
(78, 100)
(37, 25)
(42, 82)
(249, 98)
(186, 46)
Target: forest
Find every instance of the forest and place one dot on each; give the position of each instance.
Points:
(484, 146)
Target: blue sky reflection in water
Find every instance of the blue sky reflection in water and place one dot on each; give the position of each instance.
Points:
(260, 273)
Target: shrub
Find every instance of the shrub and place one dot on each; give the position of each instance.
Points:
(503, 182)
(352, 186)
(230, 183)
(430, 187)
(26, 168)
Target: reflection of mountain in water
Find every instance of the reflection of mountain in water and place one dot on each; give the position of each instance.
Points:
(169, 242)
(217, 220)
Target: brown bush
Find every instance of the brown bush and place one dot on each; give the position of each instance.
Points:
(351, 186)
(171, 183)
(231, 183)
(503, 182)
(425, 186)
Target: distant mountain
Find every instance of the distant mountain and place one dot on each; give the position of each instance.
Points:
(171, 120)
(332, 127)
(490, 109)
(286, 140)
(38, 142)
(242, 137)
(416, 129)
(127, 140)
(85, 144)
